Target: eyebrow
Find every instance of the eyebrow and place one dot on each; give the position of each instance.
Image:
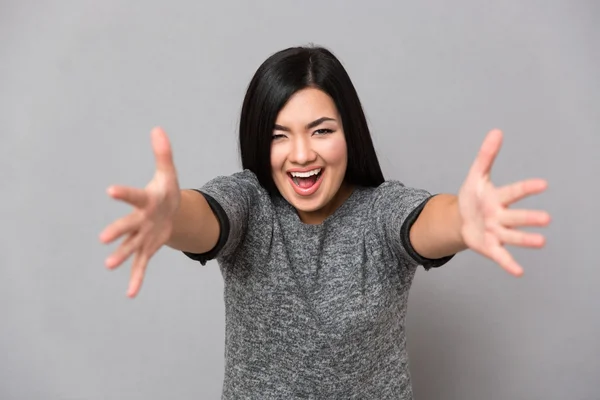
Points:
(310, 125)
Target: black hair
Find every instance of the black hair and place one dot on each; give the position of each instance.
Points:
(276, 80)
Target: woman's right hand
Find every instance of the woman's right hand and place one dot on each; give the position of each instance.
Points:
(149, 225)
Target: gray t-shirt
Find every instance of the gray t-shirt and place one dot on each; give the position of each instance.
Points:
(315, 311)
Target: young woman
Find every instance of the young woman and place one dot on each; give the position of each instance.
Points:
(316, 249)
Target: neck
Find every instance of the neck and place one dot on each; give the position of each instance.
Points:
(318, 216)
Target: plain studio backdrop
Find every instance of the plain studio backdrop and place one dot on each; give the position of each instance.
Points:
(83, 82)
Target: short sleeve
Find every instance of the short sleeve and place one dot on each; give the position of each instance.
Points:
(396, 208)
(231, 199)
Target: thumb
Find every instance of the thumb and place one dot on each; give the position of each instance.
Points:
(162, 151)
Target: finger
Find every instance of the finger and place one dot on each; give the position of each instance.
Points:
(501, 256)
(162, 151)
(125, 250)
(134, 196)
(487, 153)
(122, 226)
(519, 190)
(513, 218)
(137, 273)
(519, 238)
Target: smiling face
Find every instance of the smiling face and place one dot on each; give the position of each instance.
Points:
(309, 155)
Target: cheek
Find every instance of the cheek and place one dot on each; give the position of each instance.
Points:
(277, 160)
(335, 152)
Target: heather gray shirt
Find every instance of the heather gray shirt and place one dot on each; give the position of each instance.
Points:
(315, 311)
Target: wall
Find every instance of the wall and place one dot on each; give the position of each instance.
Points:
(83, 82)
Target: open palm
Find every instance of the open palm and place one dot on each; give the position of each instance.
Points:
(488, 223)
(150, 223)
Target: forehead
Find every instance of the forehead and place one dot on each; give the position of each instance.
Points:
(305, 106)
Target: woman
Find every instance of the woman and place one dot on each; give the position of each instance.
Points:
(316, 249)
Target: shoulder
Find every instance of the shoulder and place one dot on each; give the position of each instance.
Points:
(242, 184)
(243, 177)
(392, 193)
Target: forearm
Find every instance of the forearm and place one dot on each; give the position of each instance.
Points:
(195, 226)
(437, 231)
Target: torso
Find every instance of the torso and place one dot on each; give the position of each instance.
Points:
(316, 311)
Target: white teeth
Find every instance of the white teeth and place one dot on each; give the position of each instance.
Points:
(305, 174)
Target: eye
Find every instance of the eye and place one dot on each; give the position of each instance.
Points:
(277, 136)
(323, 131)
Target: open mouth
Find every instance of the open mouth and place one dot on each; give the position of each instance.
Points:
(303, 182)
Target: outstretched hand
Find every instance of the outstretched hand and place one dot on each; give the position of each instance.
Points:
(149, 225)
(488, 223)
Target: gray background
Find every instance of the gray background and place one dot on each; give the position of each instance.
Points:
(83, 82)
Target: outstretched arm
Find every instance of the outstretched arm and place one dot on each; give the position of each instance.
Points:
(479, 218)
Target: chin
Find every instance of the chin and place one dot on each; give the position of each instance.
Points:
(306, 203)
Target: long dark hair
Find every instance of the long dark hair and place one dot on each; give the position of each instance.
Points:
(276, 80)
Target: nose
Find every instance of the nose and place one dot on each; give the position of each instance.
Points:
(302, 152)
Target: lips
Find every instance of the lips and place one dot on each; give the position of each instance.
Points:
(309, 190)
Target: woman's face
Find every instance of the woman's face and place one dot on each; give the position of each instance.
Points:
(309, 155)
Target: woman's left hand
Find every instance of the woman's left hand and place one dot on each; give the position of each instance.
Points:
(487, 222)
